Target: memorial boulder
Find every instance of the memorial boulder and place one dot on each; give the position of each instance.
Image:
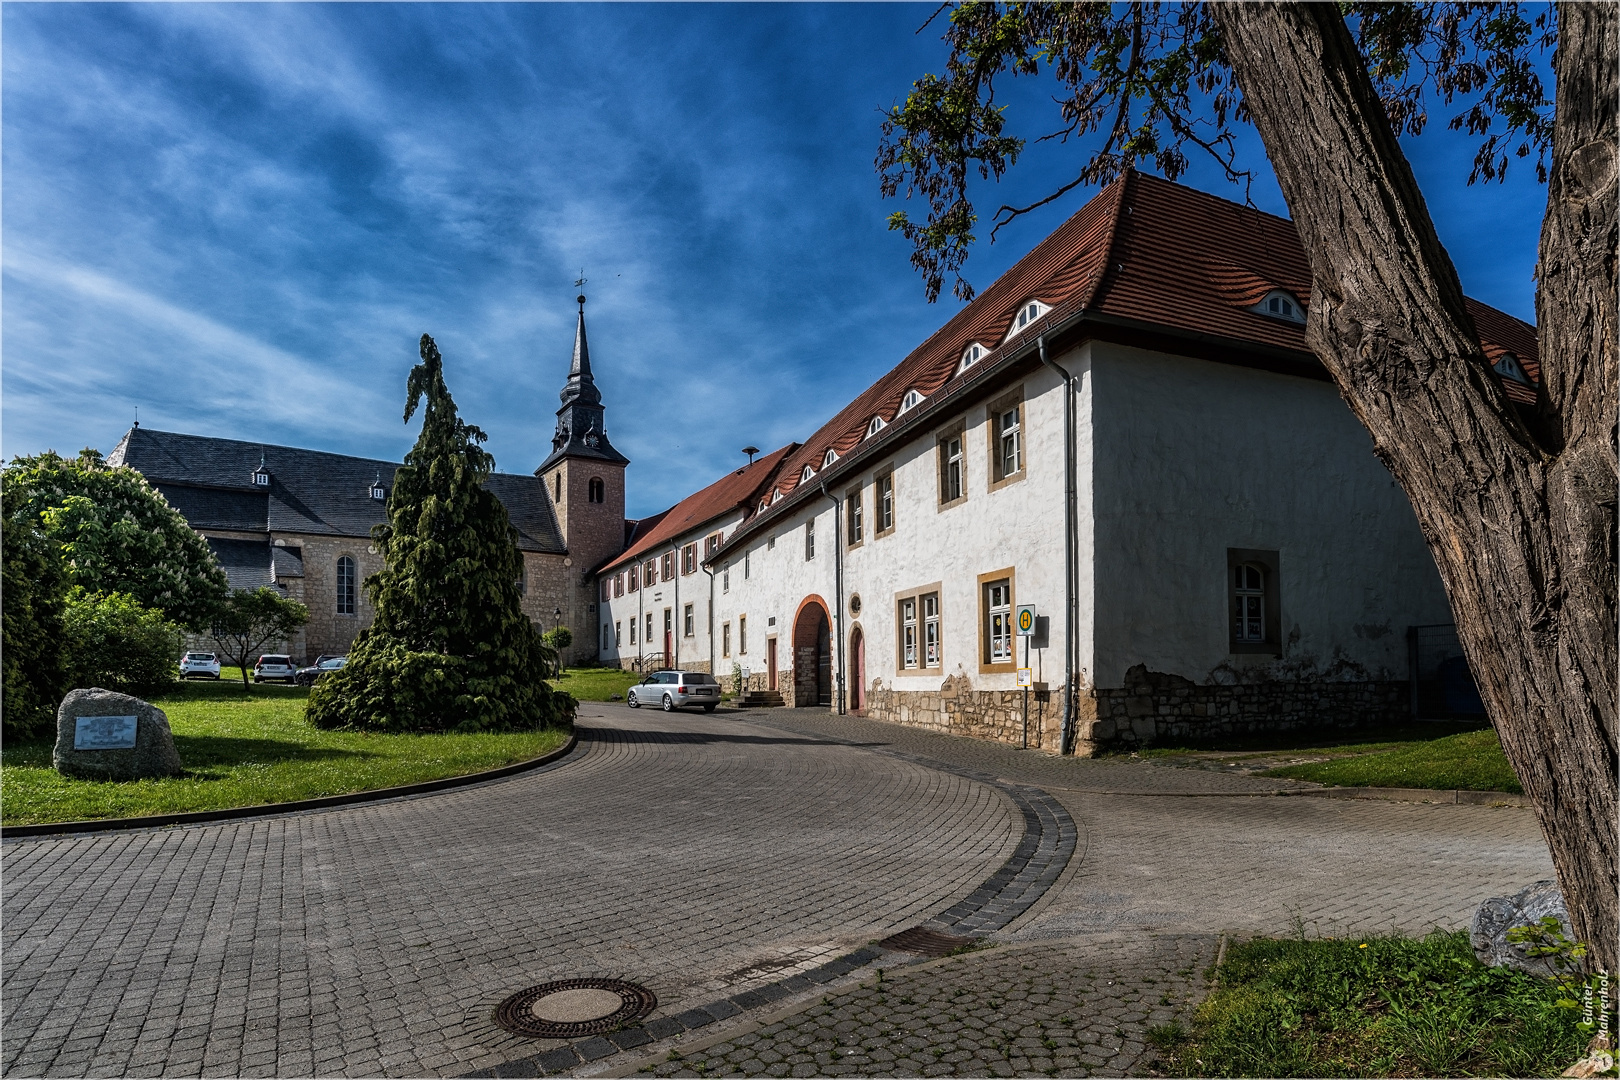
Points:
(1499, 915)
(102, 735)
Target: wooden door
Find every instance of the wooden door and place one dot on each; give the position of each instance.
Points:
(770, 663)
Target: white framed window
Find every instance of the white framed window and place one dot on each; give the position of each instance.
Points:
(970, 356)
(647, 635)
(378, 492)
(742, 635)
(345, 585)
(805, 474)
(688, 621)
(874, 426)
(617, 639)
(951, 485)
(912, 399)
(1248, 604)
(776, 497)
(632, 631)
(748, 558)
(1028, 312)
(885, 502)
(667, 567)
(1279, 304)
(930, 616)
(634, 582)
(998, 623)
(829, 457)
(1006, 439)
(725, 639)
(725, 579)
(649, 573)
(1508, 366)
(908, 632)
(618, 583)
(689, 559)
(855, 516)
(810, 539)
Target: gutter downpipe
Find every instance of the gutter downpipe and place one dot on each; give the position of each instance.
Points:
(710, 572)
(838, 584)
(1071, 552)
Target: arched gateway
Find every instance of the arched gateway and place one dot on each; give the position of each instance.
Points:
(812, 653)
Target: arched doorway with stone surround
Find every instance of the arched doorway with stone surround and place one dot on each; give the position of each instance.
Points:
(812, 653)
(857, 672)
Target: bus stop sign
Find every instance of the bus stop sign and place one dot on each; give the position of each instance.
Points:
(1026, 620)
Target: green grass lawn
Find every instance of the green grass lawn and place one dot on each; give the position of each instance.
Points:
(1373, 1007)
(1472, 761)
(596, 683)
(247, 749)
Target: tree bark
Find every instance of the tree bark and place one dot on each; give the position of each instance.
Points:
(1520, 516)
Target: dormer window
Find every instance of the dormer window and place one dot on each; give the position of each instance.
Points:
(806, 474)
(378, 492)
(1028, 312)
(261, 475)
(970, 356)
(1508, 367)
(912, 399)
(829, 457)
(777, 497)
(875, 426)
(1281, 305)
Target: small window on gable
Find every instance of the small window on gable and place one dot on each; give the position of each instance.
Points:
(1281, 305)
(874, 426)
(912, 399)
(806, 474)
(970, 356)
(377, 490)
(1028, 312)
(1508, 367)
(776, 497)
(829, 457)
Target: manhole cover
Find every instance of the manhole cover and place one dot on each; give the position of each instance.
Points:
(570, 1008)
(924, 942)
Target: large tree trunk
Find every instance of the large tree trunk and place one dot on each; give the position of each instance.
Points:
(1520, 517)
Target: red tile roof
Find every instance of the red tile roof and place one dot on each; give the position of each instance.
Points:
(736, 490)
(1143, 249)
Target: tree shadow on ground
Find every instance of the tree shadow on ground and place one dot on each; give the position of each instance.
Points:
(227, 751)
(622, 735)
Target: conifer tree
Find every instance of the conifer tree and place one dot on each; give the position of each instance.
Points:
(450, 648)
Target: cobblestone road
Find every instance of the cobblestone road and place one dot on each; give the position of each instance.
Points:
(687, 853)
(711, 859)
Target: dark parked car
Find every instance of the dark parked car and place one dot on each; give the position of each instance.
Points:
(306, 676)
(672, 690)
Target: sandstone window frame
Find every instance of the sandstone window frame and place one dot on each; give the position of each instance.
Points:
(346, 594)
(988, 664)
(918, 598)
(854, 518)
(647, 634)
(950, 449)
(725, 638)
(742, 635)
(883, 502)
(1007, 439)
(1268, 562)
(632, 631)
(689, 621)
(617, 635)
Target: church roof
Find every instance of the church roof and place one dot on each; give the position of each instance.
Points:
(581, 422)
(1143, 252)
(734, 491)
(210, 482)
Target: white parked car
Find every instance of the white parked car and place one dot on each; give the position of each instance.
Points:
(671, 690)
(275, 666)
(204, 665)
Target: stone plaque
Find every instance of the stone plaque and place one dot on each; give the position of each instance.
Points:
(104, 733)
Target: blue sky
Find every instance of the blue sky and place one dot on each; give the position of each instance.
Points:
(239, 218)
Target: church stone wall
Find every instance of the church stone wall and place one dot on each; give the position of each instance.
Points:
(327, 631)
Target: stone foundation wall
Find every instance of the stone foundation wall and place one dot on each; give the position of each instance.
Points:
(1157, 708)
(958, 709)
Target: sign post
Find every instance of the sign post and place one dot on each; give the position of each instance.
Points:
(1026, 630)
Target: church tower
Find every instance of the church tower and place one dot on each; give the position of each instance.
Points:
(584, 476)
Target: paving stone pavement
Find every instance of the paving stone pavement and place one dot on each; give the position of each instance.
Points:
(710, 858)
(691, 854)
(1078, 1008)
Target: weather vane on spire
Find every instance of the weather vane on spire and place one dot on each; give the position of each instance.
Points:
(579, 283)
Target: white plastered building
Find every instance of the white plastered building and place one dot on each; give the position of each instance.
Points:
(1125, 432)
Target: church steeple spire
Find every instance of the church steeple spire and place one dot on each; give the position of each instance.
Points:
(580, 385)
(581, 424)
